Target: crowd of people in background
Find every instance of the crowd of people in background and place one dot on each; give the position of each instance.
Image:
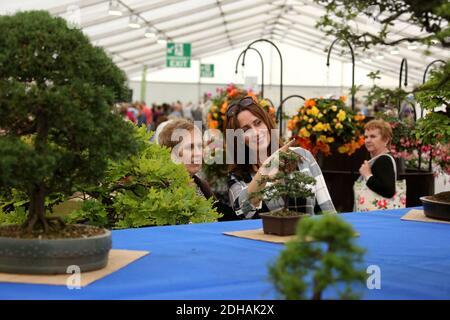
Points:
(140, 113)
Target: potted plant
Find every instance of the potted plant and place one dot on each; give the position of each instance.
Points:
(146, 189)
(58, 132)
(287, 184)
(321, 255)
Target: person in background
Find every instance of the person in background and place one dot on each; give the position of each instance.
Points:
(176, 111)
(189, 151)
(379, 172)
(148, 114)
(141, 119)
(127, 114)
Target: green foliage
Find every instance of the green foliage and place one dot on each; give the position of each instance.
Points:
(435, 92)
(435, 126)
(14, 205)
(389, 97)
(305, 267)
(145, 190)
(56, 97)
(288, 182)
(341, 16)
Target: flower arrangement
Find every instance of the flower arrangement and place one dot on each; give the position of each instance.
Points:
(405, 145)
(217, 112)
(322, 125)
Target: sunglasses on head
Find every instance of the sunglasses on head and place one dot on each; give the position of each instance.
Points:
(234, 107)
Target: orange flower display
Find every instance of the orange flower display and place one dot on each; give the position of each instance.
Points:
(322, 125)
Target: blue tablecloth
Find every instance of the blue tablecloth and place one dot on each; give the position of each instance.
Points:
(198, 262)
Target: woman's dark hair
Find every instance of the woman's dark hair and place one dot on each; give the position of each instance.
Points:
(231, 122)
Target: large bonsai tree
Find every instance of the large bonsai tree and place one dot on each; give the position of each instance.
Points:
(57, 128)
(323, 255)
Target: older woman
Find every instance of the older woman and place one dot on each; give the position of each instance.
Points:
(185, 141)
(380, 172)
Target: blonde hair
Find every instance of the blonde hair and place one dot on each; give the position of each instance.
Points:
(165, 136)
(383, 126)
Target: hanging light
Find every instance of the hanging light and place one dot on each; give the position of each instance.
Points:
(134, 22)
(114, 9)
(395, 51)
(161, 40)
(412, 46)
(149, 33)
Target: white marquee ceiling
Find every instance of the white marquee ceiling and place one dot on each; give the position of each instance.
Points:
(215, 26)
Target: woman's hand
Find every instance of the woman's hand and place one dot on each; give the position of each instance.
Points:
(264, 170)
(365, 171)
(270, 166)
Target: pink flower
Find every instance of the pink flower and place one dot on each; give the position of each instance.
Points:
(403, 200)
(361, 200)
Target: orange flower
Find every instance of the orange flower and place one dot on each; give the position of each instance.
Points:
(251, 94)
(361, 141)
(214, 124)
(224, 107)
(304, 143)
(359, 117)
(322, 147)
(291, 124)
(232, 93)
(343, 98)
(310, 103)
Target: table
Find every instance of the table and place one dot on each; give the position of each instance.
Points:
(197, 261)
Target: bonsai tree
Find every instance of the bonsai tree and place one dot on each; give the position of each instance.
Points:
(146, 189)
(287, 183)
(57, 128)
(308, 268)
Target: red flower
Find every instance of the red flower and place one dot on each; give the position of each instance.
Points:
(382, 204)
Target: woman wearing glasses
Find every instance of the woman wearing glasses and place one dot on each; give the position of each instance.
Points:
(253, 147)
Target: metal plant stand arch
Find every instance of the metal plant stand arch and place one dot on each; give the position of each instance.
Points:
(280, 108)
(243, 64)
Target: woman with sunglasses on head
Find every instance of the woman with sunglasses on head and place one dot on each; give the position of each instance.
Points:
(244, 176)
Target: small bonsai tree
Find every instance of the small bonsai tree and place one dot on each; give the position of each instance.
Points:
(322, 255)
(57, 128)
(146, 189)
(287, 183)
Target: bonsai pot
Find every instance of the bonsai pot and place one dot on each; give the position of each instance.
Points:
(54, 256)
(281, 225)
(436, 208)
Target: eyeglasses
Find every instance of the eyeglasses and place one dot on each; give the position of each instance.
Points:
(234, 107)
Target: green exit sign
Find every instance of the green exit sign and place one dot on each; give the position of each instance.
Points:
(178, 55)
(207, 70)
